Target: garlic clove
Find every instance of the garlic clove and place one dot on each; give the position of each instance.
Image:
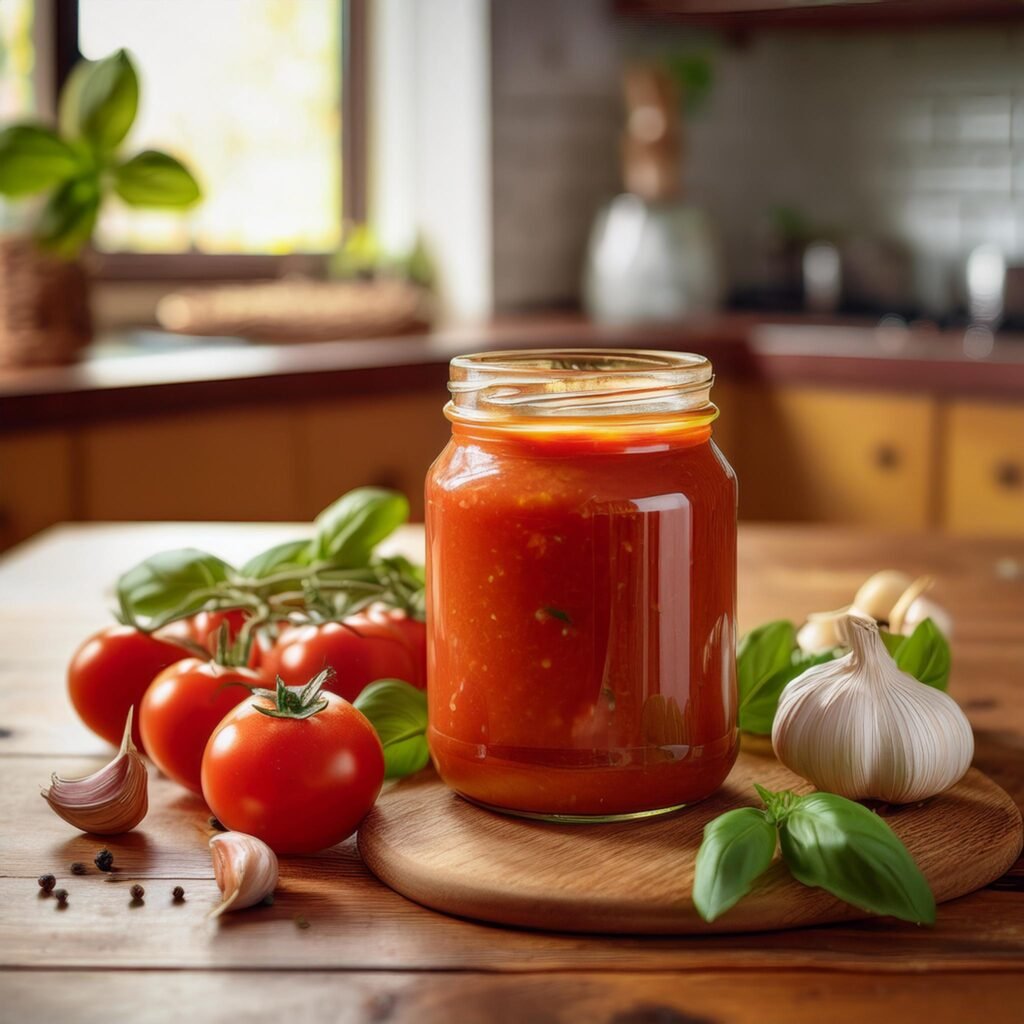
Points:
(913, 607)
(925, 608)
(110, 801)
(245, 869)
(860, 727)
(820, 632)
(878, 593)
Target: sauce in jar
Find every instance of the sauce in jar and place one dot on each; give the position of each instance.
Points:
(581, 561)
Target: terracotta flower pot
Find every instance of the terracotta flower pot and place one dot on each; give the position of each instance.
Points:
(44, 305)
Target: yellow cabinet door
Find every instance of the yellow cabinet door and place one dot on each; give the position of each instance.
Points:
(234, 463)
(984, 468)
(35, 483)
(810, 454)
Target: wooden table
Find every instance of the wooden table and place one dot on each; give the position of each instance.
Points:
(368, 954)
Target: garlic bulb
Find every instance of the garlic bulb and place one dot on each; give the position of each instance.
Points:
(245, 869)
(110, 801)
(880, 592)
(860, 727)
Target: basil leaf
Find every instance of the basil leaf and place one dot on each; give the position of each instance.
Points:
(893, 641)
(107, 100)
(155, 179)
(66, 221)
(349, 530)
(738, 847)
(758, 714)
(760, 654)
(292, 554)
(169, 585)
(925, 655)
(398, 712)
(840, 846)
(32, 159)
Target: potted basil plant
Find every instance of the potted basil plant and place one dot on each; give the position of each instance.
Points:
(66, 174)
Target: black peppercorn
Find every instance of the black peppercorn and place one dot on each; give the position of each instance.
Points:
(104, 860)
(47, 882)
(62, 896)
(137, 892)
(78, 868)
(178, 893)
(215, 823)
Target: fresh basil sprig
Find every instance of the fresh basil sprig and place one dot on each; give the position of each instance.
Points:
(768, 658)
(737, 849)
(398, 712)
(827, 842)
(349, 530)
(170, 585)
(335, 574)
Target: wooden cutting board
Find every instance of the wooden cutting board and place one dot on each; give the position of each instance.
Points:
(437, 849)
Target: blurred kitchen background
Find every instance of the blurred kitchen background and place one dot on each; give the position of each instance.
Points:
(827, 199)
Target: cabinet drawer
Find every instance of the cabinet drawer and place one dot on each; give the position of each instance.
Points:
(35, 483)
(831, 456)
(984, 468)
(236, 463)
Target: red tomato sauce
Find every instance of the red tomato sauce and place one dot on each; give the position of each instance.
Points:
(581, 612)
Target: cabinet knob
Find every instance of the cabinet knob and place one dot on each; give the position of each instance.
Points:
(1009, 475)
(887, 456)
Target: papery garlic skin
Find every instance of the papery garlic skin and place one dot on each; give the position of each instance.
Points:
(860, 727)
(110, 801)
(245, 868)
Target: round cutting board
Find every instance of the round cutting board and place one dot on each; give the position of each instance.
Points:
(437, 849)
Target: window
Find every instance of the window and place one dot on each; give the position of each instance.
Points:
(17, 60)
(248, 93)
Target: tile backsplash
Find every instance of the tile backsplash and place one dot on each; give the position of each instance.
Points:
(914, 136)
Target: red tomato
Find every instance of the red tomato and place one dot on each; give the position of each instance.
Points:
(300, 785)
(365, 647)
(182, 707)
(110, 672)
(203, 629)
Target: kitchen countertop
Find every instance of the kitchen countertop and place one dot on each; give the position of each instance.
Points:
(369, 954)
(147, 371)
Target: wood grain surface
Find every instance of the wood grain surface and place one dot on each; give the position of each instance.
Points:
(371, 955)
(636, 877)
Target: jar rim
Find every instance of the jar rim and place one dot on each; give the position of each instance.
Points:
(579, 383)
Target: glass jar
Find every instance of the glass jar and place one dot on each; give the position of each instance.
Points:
(581, 585)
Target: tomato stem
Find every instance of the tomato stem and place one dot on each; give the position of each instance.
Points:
(298, 702)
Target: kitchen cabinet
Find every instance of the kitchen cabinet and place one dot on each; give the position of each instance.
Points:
(983, 479)
(36, 482)
(817, 455)
(233, 463)
(802, 453)
(389, 441)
